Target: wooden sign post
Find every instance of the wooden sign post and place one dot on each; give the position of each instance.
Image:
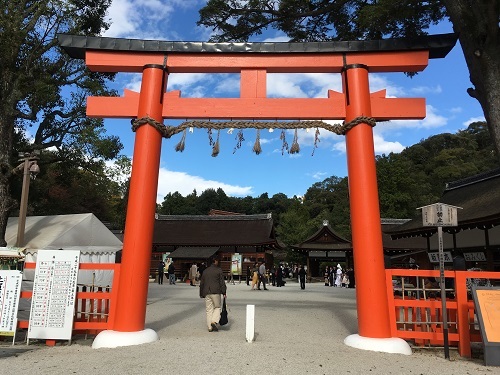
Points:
(440, 215)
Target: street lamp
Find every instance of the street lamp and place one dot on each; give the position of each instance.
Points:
(30, 169)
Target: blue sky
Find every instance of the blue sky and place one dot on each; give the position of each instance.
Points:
(443, 83)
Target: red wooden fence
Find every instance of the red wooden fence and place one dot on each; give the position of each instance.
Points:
(416, 311)
(94, 306)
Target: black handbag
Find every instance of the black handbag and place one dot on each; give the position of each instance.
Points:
(223, 314)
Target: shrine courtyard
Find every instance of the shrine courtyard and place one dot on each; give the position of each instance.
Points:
(296, 331)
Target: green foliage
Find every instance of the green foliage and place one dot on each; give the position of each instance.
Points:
(43, 90)
(323, 20)
(294, 225)
(320, 20)
(410, 179)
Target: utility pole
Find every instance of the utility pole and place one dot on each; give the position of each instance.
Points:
(30, 168)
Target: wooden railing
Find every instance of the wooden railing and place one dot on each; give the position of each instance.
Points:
(94, 307)
(416, 311)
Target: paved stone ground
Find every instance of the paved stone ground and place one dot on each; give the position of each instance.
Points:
(297, 331)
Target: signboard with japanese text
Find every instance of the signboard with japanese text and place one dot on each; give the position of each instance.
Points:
(54, 293)
(10, 290)
(439, 215)
(434, 257)
(317, 254)
(475, 257)
(336, 254)
(236, 264)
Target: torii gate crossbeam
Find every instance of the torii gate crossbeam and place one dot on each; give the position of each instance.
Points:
(353, 60)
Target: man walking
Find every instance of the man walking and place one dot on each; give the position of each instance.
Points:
(171, 273)
(161, 271)
(212, 285)
(192, 274)
(262, 275)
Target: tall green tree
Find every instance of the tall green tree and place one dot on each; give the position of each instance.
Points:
(294, 225)
(43, 91)
(476, 22)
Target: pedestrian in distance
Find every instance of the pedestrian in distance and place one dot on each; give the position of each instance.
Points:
(249, 275)
(171, 273)
(302, 277)
(161, 271)
(192, 274)
(262, 276)
(338, 278)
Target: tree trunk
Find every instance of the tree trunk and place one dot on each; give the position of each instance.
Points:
(476, 22)
(6, 202)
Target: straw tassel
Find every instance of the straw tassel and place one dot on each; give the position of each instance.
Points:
(182, 143)
(216, 148)
(284, 146)
(256, 146)
(295, 149)
(210, 138)
(316, 141)
(239, 140)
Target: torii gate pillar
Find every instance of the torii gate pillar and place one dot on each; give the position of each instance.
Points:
(371, 291)
(128, 327)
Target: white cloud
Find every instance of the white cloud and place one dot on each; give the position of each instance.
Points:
(381, 145)
(284, 86)
(473, 119)
(339, 146)
(384, 147)
(277, 39)
(142, 18)
(423, 90)
(302, 85)
(171, 181)
(431, 121)
(319, 175)
(119, 14)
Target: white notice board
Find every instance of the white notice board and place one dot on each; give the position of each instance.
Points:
(10, 290)
(54, 294)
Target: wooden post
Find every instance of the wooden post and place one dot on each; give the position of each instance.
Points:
(371, 294)
(134, 274)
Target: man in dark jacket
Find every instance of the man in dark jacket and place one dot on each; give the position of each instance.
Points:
(171, 273)
(212, 285)
(161, 271)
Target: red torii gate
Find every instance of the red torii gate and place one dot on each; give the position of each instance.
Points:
(354, 60)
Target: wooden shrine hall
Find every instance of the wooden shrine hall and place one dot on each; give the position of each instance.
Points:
(196, 238)
(477, 236)
(325, 245)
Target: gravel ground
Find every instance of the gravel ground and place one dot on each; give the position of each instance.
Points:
(297, 331)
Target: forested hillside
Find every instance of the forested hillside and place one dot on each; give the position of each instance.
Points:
(410, 179)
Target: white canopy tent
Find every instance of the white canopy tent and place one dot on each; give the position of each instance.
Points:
(84, 232)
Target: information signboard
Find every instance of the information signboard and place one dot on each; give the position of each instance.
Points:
(54, 293)
(236, 264)
(10, 290)
(434, 257)
(475, 257)
(439, 215)
(487, 302)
